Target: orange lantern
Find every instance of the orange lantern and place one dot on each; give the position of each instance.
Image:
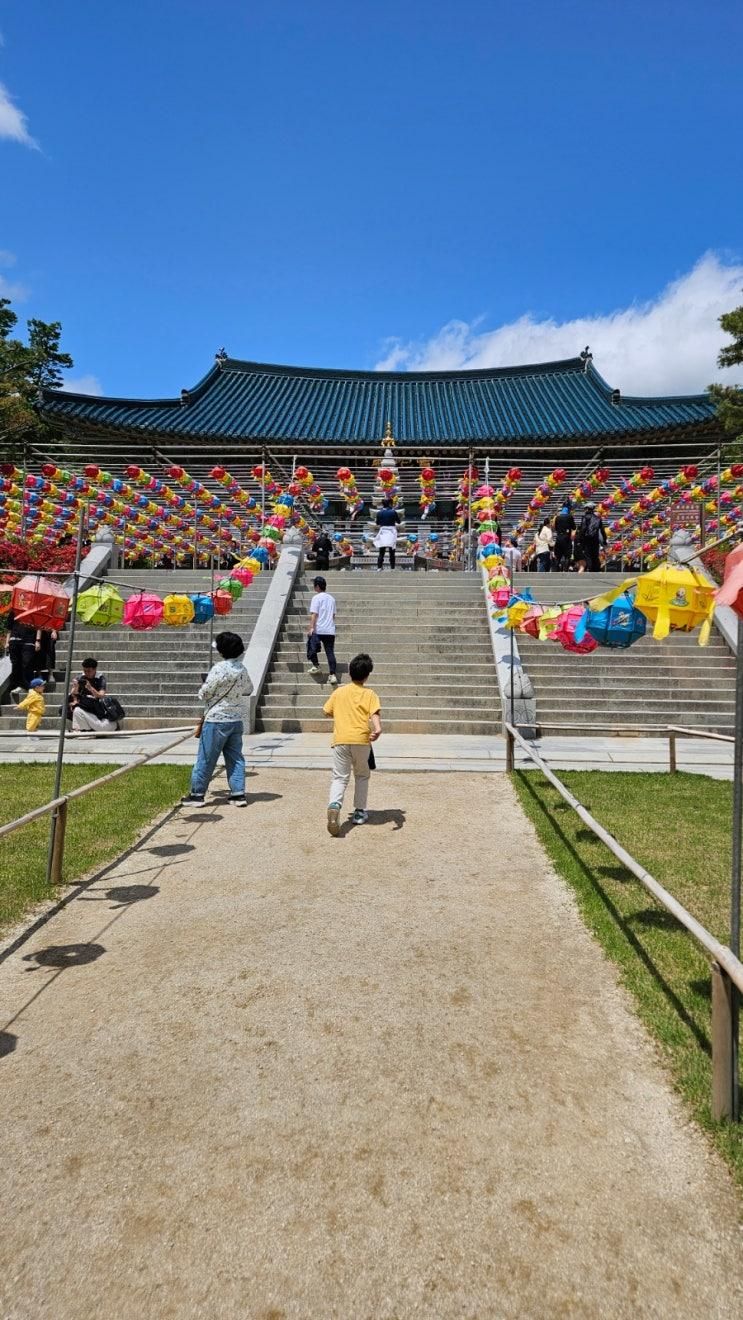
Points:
(39, 603)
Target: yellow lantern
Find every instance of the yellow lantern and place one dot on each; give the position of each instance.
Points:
(676, 599)
(178, 610)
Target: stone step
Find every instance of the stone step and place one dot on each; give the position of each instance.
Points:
(271, 724)
(304, 706)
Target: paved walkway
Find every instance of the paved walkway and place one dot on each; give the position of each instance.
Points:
(253, 1071)
(400, 751)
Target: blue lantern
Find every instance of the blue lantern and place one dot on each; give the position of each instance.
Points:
(203, 607)
(619, 625)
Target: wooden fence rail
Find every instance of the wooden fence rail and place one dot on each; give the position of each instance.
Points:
(58, 806)
(727, 970)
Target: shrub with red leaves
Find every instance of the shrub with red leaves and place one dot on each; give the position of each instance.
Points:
(714, 561)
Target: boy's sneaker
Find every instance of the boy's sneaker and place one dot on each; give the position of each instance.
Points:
(334, 818)
(190, 800)
(360, 817)
(333, 680)
(313, 669)
(238, 800)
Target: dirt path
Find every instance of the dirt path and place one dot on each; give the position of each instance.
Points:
(371, 1077)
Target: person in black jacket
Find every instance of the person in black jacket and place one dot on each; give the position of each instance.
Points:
(564, 526)
(24, 644)
(323, 549)
(592, 536)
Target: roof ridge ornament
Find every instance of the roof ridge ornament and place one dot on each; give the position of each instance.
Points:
(220, 357)
(389, 440)
(586, 357)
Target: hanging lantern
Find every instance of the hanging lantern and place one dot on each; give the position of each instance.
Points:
(731, 591)
(143, 611)
(570, 631)
(530, 621)
(243, 575)
(203, 607)
(222, 602)
(252, 565)
(232, 586)
(38, 602)
(178, 611)
(100, 605)
(676, 599)
(618, 624)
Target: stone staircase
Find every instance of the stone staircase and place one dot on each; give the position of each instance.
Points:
(651, 685)
(428, 636)
(157, 674)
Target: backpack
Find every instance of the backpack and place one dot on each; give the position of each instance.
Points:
(113, 709)
(591, 526)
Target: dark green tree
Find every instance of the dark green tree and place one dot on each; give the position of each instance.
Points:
(729, 398)
(25, 368)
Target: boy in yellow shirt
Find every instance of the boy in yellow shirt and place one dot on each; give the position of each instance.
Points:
(34, 703)
(354, 710)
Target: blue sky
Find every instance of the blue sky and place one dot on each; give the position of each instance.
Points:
(342, 184)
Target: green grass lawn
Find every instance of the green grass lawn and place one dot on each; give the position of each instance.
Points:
(99, 825)
(678, 827)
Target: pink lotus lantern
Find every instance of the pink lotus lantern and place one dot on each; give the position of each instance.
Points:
(570, 631)
(143, 611)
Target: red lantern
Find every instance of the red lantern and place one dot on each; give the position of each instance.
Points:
(176, 472)
(301, 472)
(530, 622)
(217, 473)
(428, 473)
(222, 602)
(133, 471)
(40, 603)
(49, 469)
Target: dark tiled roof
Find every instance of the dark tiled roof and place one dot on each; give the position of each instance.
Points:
(249, 400)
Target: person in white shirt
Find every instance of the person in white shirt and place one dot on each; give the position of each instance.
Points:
(321, 629)
(512, 555)
(543, 545)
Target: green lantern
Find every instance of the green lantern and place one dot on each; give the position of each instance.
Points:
(232, 585)
(100, 605)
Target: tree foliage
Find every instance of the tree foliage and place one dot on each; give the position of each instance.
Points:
(729, 398)
(26, 368)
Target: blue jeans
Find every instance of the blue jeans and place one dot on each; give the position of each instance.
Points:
(225, 737)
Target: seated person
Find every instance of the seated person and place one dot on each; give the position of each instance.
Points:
(84, 706)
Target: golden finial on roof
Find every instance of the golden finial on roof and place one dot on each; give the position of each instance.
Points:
(389, 441)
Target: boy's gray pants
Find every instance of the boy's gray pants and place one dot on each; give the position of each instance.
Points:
(348, 757)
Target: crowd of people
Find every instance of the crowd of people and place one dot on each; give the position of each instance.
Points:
(562, 545)
(33, 657)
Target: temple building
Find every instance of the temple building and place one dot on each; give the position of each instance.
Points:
(533, 417)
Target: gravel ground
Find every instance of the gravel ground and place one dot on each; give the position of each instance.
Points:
(253, 1071)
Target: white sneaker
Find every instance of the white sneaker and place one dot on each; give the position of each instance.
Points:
(333, 680)
(360, 817)
(313, 669)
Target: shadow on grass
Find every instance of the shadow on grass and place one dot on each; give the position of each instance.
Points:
(622, 922)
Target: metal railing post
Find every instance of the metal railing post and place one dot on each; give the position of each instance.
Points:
(672, 752)
(724, 1046)
(59, 826)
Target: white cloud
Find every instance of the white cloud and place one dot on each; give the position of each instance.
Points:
(83, 385)
(12, 289)
(668, 345)
(13, 123)
(7, 258)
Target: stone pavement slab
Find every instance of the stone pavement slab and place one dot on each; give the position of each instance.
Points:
(254, 1071)
(398, 752)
